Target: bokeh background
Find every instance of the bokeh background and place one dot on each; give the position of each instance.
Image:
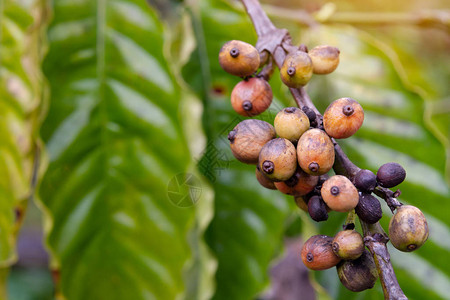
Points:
(106, 105)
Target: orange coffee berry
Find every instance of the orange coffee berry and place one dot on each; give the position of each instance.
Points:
(239, 58)
(343, 118)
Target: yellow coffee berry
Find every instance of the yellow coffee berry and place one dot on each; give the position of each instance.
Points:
(297, 69)
(290, 123)
(325, 59)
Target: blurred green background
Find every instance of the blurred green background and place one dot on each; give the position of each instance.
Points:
(105, 106)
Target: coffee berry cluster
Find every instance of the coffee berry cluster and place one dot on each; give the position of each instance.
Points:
(296, 153)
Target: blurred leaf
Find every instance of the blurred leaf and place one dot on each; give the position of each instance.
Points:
(422, 71)
(30, 284)
(21, 105)
(394, 129)
(126, 206)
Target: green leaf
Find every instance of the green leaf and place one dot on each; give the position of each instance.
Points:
(21, 106)
(394, 129)
(126, 206)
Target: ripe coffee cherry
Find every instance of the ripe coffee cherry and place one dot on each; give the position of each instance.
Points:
(297, 69)
(408, 228)
(251, 97)
(248, 138)
(317, 209)
(339, 193)
(239, 58)
(325, 59)
(263, 180)
(390, 175)
(278, 160)
(301, 203)
(299, 184)
(365, 181)
(315, 152)
(359, 274)
(343, 118)
(317, 253)
(368, 208)
(290, 123)
(348, 244)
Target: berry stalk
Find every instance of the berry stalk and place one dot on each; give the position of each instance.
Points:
(389, 196)
(277, 42)
(375, 239)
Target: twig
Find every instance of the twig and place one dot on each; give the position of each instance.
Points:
(375, 239)
(389, 196)
(267, 70)
(298, 97)
(343, 165)
(271, 39)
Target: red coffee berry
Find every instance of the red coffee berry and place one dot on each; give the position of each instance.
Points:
(251, 97)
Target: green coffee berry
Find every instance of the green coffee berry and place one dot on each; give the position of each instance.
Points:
(408, 228)
(348, 244)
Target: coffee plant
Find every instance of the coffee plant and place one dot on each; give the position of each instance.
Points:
(129, 156)
(298, 161)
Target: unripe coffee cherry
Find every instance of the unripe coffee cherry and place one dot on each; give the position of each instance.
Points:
(408, 228)
(348, 244)
(290, 123)
(368, 208)
(315, 152)
(317, 253)
(239, 58)
(251, 97)
(390, 175)
(301, 203)
(299, 184)
(278, 160)
(339, 193)
(365, 181)
(317, 209)
(359, 274)
(248, 138)
(297, 69)
(343, 118)
(263, 180)
(325, 59)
